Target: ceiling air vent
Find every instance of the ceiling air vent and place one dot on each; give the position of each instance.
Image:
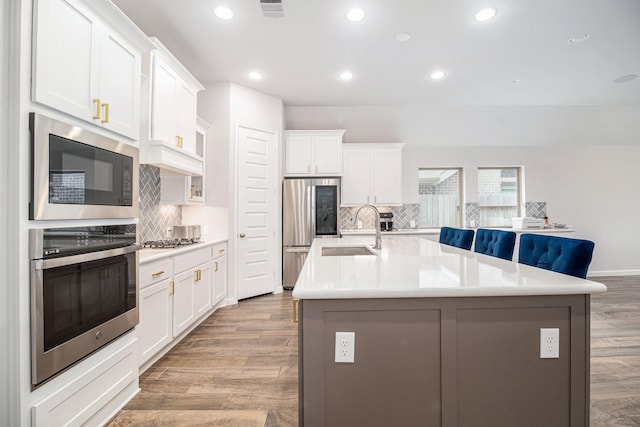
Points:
(272, 8)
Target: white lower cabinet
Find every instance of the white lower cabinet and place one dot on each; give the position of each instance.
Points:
(175, 293)
(155, 327)
(92, 391)
(219, 272)
(202, 289)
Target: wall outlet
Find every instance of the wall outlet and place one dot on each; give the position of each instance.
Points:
(169, 232)
(359, 224)
(345, 347)
(549, 343)
(412, 224)
(472, 223)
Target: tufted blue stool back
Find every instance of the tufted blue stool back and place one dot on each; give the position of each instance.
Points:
(496, 243)
(560, 254)
(456, 237)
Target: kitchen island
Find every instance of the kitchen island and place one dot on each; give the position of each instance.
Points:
(442, 336)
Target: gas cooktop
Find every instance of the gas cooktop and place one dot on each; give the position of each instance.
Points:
(168, 243)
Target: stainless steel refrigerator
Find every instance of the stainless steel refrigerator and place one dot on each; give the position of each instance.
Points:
(309, 210)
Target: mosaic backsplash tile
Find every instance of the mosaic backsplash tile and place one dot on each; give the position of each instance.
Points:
(472, 214)
(402, 216)
(535, 209)
(155, 218)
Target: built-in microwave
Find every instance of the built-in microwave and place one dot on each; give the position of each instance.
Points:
(78, 174)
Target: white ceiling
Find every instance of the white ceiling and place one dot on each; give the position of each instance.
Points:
(302, 53)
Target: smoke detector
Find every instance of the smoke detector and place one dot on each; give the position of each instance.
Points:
(272, 8)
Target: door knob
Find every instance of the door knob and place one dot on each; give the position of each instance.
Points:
(242, 235)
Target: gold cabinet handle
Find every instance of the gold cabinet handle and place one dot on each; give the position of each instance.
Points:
(215, 266)
(98, 104)
(190, 193)
(172, 288)
(106, 113)
(295, 310)
(375, 199)
(178, 141)
(220, 251)
(198, 276)
(159, 273)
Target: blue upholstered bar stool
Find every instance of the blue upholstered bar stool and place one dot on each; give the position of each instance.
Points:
(496, 243)
(559, 254)
(456, 237)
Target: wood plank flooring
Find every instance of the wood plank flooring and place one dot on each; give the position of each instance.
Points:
(239, 368)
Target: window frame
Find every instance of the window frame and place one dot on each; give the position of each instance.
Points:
(460, 216)
(519, 191)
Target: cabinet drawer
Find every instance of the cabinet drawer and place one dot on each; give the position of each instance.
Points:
(191, 259)
(218, 250)
(155, 271)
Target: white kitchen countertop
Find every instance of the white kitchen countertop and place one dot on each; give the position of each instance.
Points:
(411, 267)
(148, 254)
(419, 231)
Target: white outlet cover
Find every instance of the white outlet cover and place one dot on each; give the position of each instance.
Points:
(345, 347)
(549, 343)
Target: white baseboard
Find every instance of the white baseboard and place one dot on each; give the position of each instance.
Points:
(603, 273)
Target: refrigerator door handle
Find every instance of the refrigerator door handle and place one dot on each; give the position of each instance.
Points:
(297, 250)
(312, 213)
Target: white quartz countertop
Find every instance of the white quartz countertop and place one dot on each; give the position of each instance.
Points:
(151, 254)
(419, 231)
(411, 266)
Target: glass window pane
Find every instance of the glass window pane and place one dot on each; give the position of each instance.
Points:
(440, 197)
(498, 196)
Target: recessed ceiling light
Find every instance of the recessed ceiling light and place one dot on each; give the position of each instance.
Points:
(625, 78)
(255, 75)
(578, 39)
(223, 12)
(403, 37)
(437, 75)
(346, 75)
(518, 81)
(356, 14)
(485, 14)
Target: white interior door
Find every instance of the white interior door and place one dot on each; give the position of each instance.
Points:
(256, 212)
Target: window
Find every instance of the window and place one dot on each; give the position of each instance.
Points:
(440, 193)
(498, 196)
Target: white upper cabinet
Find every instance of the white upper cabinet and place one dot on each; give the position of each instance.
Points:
(313, 153)
(169, 138)
(87, 63)
(372, 173)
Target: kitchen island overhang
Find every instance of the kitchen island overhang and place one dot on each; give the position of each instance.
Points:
(443, 336)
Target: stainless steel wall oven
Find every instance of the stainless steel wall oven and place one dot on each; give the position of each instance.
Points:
(84, 293)
(78, 174)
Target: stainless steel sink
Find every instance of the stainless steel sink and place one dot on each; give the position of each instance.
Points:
(347, 250)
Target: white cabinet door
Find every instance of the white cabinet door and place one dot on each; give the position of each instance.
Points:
(219, 279)
(202, 292)
(65, 57)
(298, 153)
(163, 118)
(183, 297)
(327, 155)
(154, 329)
(386, 176)
(356, 176)
(186, 100)
(119, 86)
(84, 68)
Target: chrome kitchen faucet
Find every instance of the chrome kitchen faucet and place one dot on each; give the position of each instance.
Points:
(378, 244)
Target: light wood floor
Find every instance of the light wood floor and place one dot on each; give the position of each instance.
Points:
(239, 368)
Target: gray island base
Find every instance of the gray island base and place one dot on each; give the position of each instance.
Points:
(465, 352)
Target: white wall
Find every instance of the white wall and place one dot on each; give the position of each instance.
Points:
(474, 125)
(224, 106)
(582, 161)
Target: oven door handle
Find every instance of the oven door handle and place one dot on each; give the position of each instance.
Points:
(43, 264)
